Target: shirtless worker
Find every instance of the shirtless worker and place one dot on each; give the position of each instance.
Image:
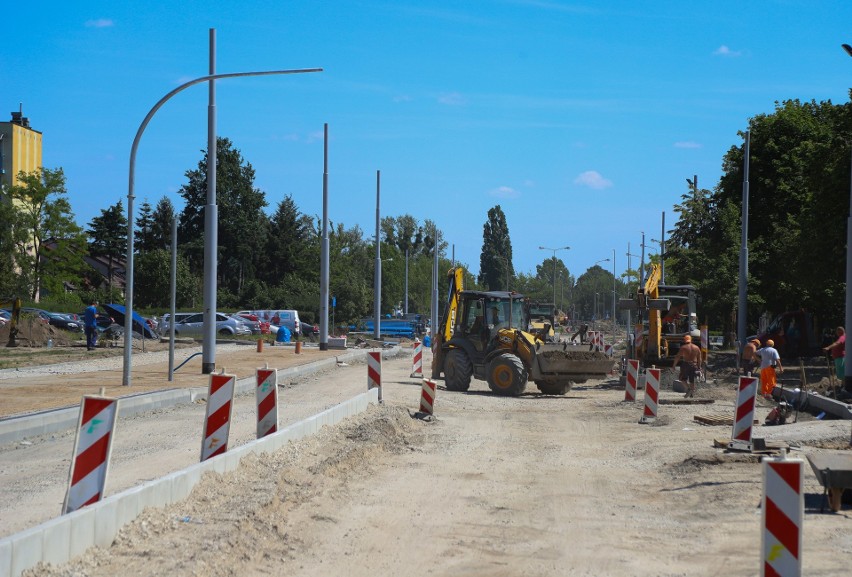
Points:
(690, 354)
(750, 357)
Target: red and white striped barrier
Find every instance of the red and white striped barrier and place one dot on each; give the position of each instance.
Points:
(266, 395)
(744, 415)
(783, 517)
(632, 378)
(92, 448)
(427, 397)
(374, 371)
(652, 390)
(608, 350)
(417, 362)
(217, 422)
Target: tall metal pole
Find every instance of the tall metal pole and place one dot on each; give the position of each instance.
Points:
(847, 379)
(173, 309)
(211, 233)
(554, 265)
(377, 282)
(663, 250)
(435, 311)
(742, 308)
(131, 182)
(405, 304)
(642, 264)
(614, 322)
(324, 250)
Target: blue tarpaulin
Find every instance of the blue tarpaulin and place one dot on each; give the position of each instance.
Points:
(139, 324)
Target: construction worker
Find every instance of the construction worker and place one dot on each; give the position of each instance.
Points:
(770, 362)
(749, 358)
(690, 354)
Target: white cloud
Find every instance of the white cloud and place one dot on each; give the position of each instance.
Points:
(529, 183)
(687, 144)
(725, 51)
(593, 179)
(452, 99)
(402, 98)
(99, 23)
(504, 192)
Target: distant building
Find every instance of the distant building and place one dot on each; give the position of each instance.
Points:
(20, 149)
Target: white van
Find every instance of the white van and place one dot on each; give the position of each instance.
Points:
(278, 318)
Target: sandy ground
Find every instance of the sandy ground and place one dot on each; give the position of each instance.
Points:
(535, 485)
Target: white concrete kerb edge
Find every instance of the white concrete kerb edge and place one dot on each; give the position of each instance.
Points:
(61, 539)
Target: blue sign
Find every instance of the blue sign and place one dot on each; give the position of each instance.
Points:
(333, 302)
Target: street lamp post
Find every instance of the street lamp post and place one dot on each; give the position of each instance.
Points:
(847, 379)
(128, 319)
(554, 265)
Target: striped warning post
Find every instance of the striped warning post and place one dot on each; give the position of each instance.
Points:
(652, 389)
(427, 397)
(217, 422)
(92, 448)
(417, 362)
(744, 415)
(608, 350)
(266, 395)
(783, 516)
(374, 371)
(705, 343)
(632, 378)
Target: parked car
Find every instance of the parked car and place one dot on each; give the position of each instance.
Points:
(165, 322)
(193, 325)
(309, 331)
(276, 318)
(57, 320)
(103, 320)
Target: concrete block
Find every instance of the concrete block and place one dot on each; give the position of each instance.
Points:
(128, 507)
(27, 549)
(82, 524)
(56, 545)
(5, 558)
(106, 522)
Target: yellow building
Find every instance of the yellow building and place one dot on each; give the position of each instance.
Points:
(20, 149)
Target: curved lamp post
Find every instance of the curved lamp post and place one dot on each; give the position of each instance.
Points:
(554, 265)
(128, 313)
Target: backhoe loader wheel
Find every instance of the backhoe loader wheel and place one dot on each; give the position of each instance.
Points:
(457, 370)
(553, 388)
(507, 375)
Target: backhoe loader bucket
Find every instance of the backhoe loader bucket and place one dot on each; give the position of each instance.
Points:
(561, 362)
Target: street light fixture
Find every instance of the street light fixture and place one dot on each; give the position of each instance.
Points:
(554, 265)
(128, 320)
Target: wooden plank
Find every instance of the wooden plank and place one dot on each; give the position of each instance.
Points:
(716, 420)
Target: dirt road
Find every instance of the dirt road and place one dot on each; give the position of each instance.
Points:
(534, 485)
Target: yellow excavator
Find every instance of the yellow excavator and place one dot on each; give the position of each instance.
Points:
(666, 314)
(481, 335)
(14, 306)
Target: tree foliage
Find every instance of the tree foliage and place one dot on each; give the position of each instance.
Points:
(495, 259)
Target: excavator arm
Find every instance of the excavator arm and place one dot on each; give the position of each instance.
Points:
(455, 276)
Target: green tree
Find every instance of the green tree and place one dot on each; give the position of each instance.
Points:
(108, 237)
(143, 238)
(152, 273)
(288, 247)
(496, 256)
(12, 283)
(161, 224)
(241, 220)
(42, 217)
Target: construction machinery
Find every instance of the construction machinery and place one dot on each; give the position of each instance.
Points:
(481, 336)
(667, 313)
(543, 321)
(14, 306)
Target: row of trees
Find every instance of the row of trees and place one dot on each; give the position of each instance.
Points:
(799, 183)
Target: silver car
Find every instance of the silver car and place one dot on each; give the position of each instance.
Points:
(193, 325)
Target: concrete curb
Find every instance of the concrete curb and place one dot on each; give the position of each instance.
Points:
(60, 540)
(14, 429)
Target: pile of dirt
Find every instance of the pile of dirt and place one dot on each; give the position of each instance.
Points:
(35, 333)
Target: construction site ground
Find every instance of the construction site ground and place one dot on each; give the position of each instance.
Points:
(530, 485)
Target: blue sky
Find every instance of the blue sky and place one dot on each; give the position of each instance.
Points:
(583, 120)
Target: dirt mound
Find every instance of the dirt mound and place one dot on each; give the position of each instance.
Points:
(34, 333)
